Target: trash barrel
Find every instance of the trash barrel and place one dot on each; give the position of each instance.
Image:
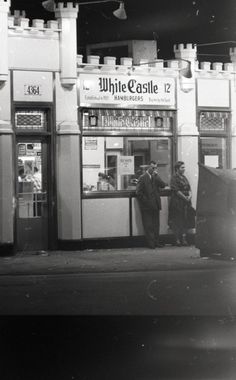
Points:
(216, 212)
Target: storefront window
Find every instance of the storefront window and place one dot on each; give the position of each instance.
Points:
(213, 151)
(214, 140)
(115, 163)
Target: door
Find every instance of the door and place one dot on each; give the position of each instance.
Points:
(111, 169)
(32, 211)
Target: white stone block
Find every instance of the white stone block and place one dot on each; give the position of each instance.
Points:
(110, 61)
(218, 66)
(38, 23)
(126, 61)
(205, 65)
(93, 59)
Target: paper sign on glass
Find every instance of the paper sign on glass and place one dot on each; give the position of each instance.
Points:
(126, 165)
(212, 161)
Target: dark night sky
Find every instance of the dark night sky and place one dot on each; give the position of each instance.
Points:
(172, 21)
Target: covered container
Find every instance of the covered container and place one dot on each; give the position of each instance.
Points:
(216, 211)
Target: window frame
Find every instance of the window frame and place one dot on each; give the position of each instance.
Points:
(131, 133)
(216, 134)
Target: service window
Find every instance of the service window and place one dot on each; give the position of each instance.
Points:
(117, 146)
(115, 163)
(214, 139)
(213, 151)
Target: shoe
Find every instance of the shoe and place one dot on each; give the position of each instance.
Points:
(178, 243)
(184, 242)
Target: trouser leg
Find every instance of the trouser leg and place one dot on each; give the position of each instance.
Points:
(177, 231)
(156, 225)
(147, 219)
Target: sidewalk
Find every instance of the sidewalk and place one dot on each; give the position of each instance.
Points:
(109, 260)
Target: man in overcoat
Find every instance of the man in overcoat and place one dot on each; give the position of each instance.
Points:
(148, 195)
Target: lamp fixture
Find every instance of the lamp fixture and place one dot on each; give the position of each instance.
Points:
(120, 13)
(185, 72)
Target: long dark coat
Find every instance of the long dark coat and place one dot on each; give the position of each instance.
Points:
(148, 193)
(177, 206)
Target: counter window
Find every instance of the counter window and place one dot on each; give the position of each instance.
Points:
(115, 163)
(214, 139)
(213, 151)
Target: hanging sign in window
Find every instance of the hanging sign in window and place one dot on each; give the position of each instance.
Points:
(124, 89)
(126, 165)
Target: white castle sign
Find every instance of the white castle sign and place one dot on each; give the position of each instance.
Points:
(122, 90)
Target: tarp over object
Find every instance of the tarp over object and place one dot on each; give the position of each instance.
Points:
(216, 211)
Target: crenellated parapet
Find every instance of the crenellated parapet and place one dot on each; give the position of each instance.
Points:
(4, 10)
(68, 10)
(232, 53)
(18, 24)
(159, 66)
(66, 14)
(126, 66)
(214, 69)
(185, 51)
(5, 5)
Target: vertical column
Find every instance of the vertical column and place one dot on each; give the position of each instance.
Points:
(187, 131)
(232, 53)
(68, 134)
(6, 149)
(4, 9)
(67, 15)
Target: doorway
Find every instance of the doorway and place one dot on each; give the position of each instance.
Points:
(32, 193)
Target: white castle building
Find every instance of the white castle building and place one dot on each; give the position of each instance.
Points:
(72, 118)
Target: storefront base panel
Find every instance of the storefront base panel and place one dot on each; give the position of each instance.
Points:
(105, 217)
(33, 232)
(68, 187)
(137, 226)
(110, 243)
(117, 243)
(6, 190)
(233, 150)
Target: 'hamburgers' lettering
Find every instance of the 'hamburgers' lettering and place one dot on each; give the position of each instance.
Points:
(132, 86)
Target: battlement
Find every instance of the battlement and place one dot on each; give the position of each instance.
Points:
(66, 6)
(126, 65)
(159, 67)
(5, 5)
(215, 67)
(232, 53)
(185, 51)
(185, 47)
(18, 23)
(68, 10)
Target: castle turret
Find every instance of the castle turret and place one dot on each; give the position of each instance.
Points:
(232, 53)
(188, 52)
(67, 15)
(4, 10)
(186, 126)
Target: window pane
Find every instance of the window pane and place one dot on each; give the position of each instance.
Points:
(115, 163)
(30, 200)
(213, 151)
(31, 119)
